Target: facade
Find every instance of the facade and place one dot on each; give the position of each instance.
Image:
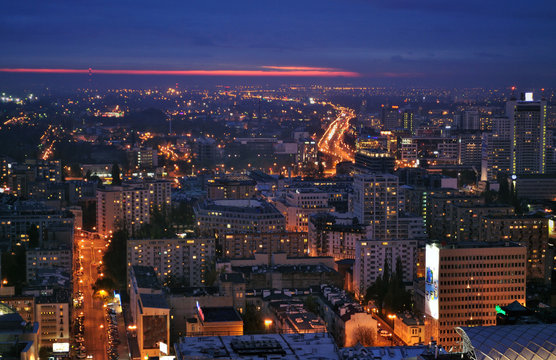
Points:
(233, 188)
(298, 204)
(345, 319)
(54, 227)
(465, 219)
(371, 255)
(23, 305)
(376, 203)
(215, 321)
(374, 161)
(149, 311)
(528, 230)
(220, 217)
(409, 328)
(244, 245)
(528, 134)
(119, 206)
(335, 235)
(465, 282)
(183, 260)
(47, 258)
(52, 312)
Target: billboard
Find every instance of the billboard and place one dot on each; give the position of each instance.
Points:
(60, 347)
(432, 259)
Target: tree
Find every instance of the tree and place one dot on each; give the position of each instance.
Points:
(364, 335)
(252, 320)
(116, 173)
(114, 258)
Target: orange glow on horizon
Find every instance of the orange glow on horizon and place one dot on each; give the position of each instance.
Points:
(274, 71)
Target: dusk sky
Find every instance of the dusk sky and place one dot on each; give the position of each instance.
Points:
(448, 43)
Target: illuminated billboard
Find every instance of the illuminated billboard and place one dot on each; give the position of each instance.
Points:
(432, 259)
(60, 347)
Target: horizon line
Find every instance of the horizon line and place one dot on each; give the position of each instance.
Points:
(274, 72)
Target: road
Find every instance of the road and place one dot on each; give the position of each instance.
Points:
(332, 142)
(95, 336)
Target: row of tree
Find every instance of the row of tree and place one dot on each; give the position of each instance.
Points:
(388, 291)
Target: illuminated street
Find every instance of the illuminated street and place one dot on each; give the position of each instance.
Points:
(332, 142)
(95, 337)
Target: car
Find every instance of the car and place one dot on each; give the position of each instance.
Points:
(383, 332)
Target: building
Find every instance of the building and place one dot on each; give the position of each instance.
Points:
(149, 311)
(266, 346)
(376, 203)
(471, 150)
(374, 161)
(335, 235)
(220, 217)
(182, 261)
(245, 245)
(535, 341)
(528, 230)
(464, 283)
(53, 227)
(438, 208)
(122, 206)
(465, 219)
(232, 188)
(408, 121)
(215, 321)
(299, 203)
(52, 312)
(345, 318)
(48, 258)
(19, 339)
(23, 305)
(527, 130)
(372, 255)
(390, 117)
(142, 158)
(410, 328)
(536, 187)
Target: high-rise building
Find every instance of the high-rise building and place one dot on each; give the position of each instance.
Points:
(408, 120)
(390, 117)
(376, 202)
(464, 282)
(470, 120)
(528, 134)
(183, 260)
(122, 206)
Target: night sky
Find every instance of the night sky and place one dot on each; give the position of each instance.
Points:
(430, 42)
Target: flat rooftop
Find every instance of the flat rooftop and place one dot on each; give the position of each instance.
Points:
(250, 347)
(217, 314)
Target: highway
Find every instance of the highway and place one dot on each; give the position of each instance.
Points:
(332, 142)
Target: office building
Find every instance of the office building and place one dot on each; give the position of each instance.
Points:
(527, 127)
(465, 282)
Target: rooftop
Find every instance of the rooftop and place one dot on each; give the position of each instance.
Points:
(154, 301)
(145, 276)
(282, 346)
(223, 313)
